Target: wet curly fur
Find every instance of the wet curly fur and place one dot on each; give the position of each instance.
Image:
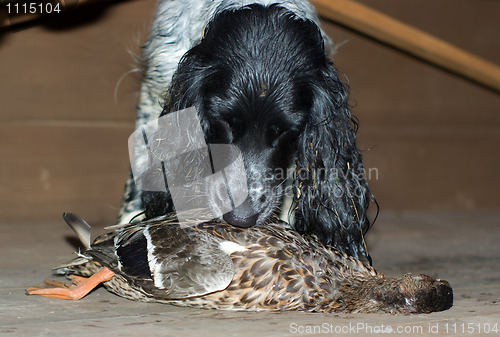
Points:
(261, 79)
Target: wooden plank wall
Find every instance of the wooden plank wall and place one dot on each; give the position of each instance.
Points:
(429, 138)
(67, 110)
(434, 137)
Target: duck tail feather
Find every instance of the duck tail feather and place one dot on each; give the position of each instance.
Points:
(81, 228)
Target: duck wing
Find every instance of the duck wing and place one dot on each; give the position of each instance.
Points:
(166, 260)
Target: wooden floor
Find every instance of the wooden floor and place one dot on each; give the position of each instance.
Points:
(461, 247)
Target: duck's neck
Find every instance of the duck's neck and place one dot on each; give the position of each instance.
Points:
(372, 294)
(405, 294)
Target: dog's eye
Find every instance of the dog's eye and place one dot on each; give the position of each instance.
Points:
(273, 134)
(236, 125)
(282, 136)
(220, 133)
(235, 128)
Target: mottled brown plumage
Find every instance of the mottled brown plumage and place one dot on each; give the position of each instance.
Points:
(215, 265)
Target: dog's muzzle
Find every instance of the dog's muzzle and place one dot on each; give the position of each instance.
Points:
(242, 216)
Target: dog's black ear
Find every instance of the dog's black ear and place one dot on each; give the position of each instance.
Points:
(187, 84)
(331, 191)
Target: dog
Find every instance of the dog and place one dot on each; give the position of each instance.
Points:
(260, 77)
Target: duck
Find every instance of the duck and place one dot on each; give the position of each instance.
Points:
(211, 264)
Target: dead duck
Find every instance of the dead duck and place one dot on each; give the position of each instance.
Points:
(215, 265)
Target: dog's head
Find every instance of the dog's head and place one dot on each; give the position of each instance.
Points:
(260, 79)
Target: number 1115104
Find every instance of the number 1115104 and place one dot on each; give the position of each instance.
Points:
(471, 328)
(33, 8)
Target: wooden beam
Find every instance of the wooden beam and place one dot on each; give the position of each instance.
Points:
(400, 35)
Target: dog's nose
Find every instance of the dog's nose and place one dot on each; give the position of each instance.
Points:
(233, 218)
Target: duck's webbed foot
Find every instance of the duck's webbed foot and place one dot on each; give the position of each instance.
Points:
(79, 287)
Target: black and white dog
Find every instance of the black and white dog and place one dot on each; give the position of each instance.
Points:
(258, 73)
